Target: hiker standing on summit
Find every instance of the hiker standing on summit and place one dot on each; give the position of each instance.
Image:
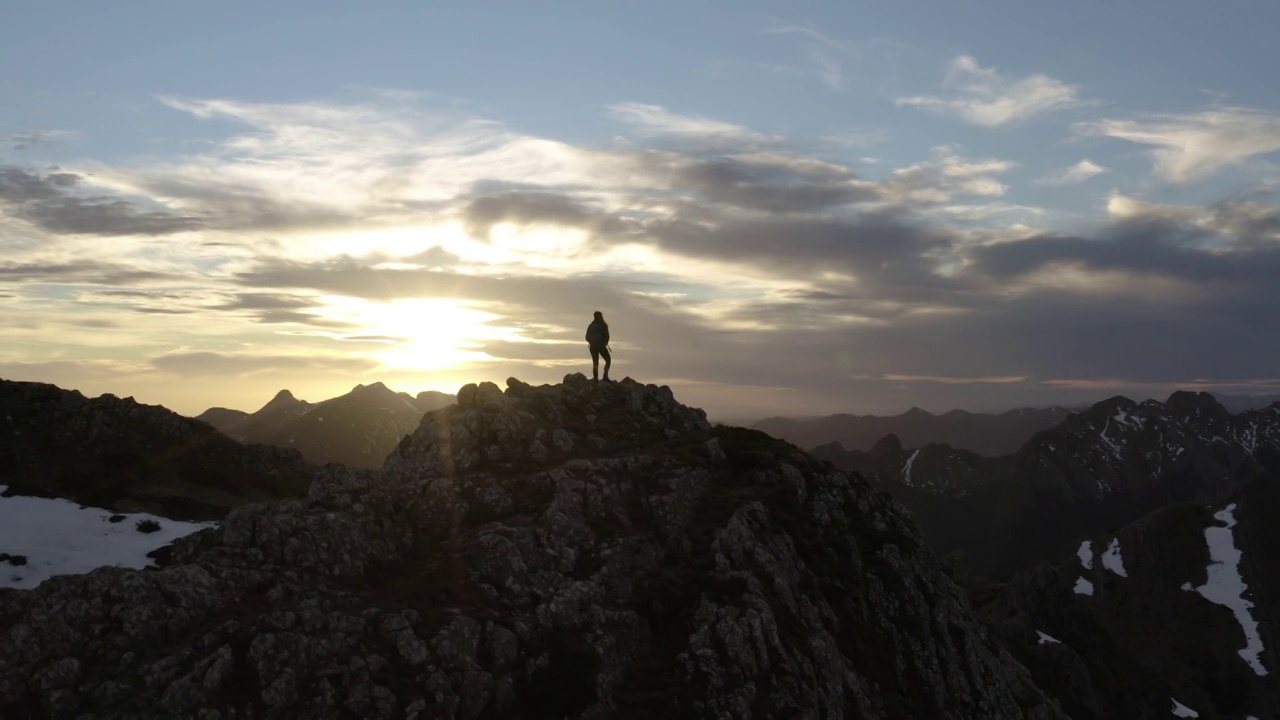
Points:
(598, 341)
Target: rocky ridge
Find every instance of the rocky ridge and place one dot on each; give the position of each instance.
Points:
(120, 454)
(576, 550)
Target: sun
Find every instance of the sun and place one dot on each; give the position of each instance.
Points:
(421, 334)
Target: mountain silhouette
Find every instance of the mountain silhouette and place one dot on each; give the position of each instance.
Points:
(358, 429)
(982, 433)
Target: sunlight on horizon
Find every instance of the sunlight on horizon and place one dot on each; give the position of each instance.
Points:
(420, 334)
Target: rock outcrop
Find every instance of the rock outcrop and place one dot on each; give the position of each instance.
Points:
(579, 550)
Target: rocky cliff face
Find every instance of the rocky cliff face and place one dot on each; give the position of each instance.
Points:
(117, 453)
(576, 550)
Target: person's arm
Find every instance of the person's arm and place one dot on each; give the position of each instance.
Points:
(606, 334)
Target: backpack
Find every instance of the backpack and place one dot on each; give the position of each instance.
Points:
(597, 334)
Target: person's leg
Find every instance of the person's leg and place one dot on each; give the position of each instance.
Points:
(604, 352)
(595, 365)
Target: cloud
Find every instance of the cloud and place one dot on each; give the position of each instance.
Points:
(104, 216)
(946, 176)
(19, 186)
(999, 380)
(195, 364)
(1074, 174)
(1190, 146)
(1247, 224)
(41, 139)
(825, 51)
(707, 255)
(983, 96)
(857, 138)
(342, 166)
(79, 272)
(46, 201)
(772, 182)
(656, 121)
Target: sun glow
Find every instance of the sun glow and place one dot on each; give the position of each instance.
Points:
(420, 334)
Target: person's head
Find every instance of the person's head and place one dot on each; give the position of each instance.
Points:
(600, 316)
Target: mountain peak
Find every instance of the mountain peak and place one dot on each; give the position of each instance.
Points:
(887, 446)
(1186, 402)
(283, 401)
(916, 411)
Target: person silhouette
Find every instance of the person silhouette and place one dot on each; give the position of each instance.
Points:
(598, 342)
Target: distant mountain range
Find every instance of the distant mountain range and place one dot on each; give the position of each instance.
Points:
(982, 433)
(1094, 472)
(119, 454)
(1240, 403)
(357, 429)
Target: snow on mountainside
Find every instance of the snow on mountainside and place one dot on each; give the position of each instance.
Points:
(1184, 603)
(44, 537)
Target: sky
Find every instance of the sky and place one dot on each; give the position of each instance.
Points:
(780, 208)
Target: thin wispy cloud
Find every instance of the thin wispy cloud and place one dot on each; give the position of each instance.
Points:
(857, 138)
(41, 139)
(983, 96)
(826, 52)
(1190, 146)
(657, 121)
(1073, 174)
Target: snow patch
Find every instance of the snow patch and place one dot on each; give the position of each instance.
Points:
(1115, 449)
(1045, 639)
(1180, 710)
(1083, 587)
(1085, 553)
(60, 537)
(1111, 559)
(906, 469)
(1226, 587)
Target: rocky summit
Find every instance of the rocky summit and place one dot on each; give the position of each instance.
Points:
(577, 550)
